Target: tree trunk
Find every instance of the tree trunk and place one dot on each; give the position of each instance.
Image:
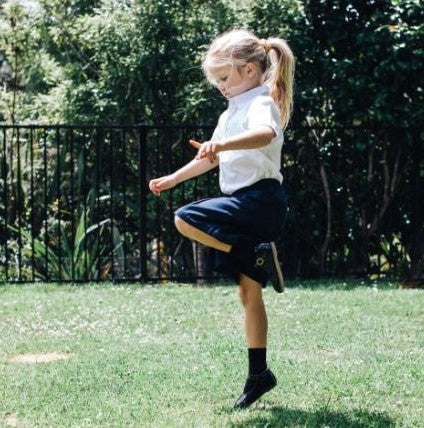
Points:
(324, 246)
(358, 256)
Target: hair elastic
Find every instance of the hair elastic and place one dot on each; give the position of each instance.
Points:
(265, 45)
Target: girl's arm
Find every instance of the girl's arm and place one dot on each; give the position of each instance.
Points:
(252, 139)
(192, 169)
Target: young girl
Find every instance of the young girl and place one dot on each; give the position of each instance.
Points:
(256, 76)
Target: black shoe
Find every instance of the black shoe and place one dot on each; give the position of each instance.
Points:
(256, 386)
(266, 256)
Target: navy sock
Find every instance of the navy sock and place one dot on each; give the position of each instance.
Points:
(257, 360)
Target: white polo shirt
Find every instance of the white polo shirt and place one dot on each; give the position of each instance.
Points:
(241, 168)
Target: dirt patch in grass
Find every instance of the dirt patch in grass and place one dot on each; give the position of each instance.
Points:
(12, 421)
(39, 358)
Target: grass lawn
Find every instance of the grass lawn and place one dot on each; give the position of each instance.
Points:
(345, 355)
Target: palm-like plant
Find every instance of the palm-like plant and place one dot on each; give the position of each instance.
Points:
(80, 255)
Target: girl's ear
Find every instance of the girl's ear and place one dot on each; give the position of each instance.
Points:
(251, 69)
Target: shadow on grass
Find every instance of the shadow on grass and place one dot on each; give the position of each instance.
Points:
(284, 417)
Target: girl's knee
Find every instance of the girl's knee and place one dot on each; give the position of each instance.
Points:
(244, 299)
(249, 295)
(181, 225)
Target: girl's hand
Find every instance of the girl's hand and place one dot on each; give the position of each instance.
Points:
(166, 182)
(209, 149)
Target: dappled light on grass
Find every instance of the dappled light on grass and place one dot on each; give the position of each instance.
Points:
(39, 358)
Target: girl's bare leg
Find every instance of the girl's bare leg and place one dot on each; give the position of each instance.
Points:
(256, 321)
(250, 291)
(260, 379)
(197, 235)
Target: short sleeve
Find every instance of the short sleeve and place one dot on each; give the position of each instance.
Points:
(264, 112)
(217, 133)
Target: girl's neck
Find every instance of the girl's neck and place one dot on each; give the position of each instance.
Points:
(256, 90)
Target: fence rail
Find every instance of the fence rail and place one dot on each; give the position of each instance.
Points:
(75, 205)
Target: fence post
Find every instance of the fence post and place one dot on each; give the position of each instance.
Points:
(417, 194)
(142, 199)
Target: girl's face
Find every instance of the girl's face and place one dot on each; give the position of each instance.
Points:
(233, 81)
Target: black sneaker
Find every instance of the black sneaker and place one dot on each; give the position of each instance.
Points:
(266, 256)
(256, 386)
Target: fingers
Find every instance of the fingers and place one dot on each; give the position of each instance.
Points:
(204, 150)
(207, 150)
(156, 186)
(195, 144)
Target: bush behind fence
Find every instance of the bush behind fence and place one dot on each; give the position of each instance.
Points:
(75, 206)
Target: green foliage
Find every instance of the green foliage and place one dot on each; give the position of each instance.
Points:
(357, 62)
(138, 61)
(36, 86)
(59, 252)
(125, 62)
(52, 196)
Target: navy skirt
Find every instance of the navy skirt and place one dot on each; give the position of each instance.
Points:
(255, 214)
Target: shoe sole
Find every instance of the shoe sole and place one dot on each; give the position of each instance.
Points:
(263, 393)
(277, 283)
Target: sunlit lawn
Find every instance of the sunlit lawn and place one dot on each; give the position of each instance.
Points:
(347, 355)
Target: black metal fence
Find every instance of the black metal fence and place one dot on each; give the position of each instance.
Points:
(75, 206)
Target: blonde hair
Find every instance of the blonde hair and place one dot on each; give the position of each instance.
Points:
(273, 57)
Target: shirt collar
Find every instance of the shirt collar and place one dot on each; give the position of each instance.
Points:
(247, 96)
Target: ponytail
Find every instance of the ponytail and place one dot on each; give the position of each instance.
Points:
(273, 56)
(280, 75)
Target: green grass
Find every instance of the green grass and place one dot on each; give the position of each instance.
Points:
(348, 356)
